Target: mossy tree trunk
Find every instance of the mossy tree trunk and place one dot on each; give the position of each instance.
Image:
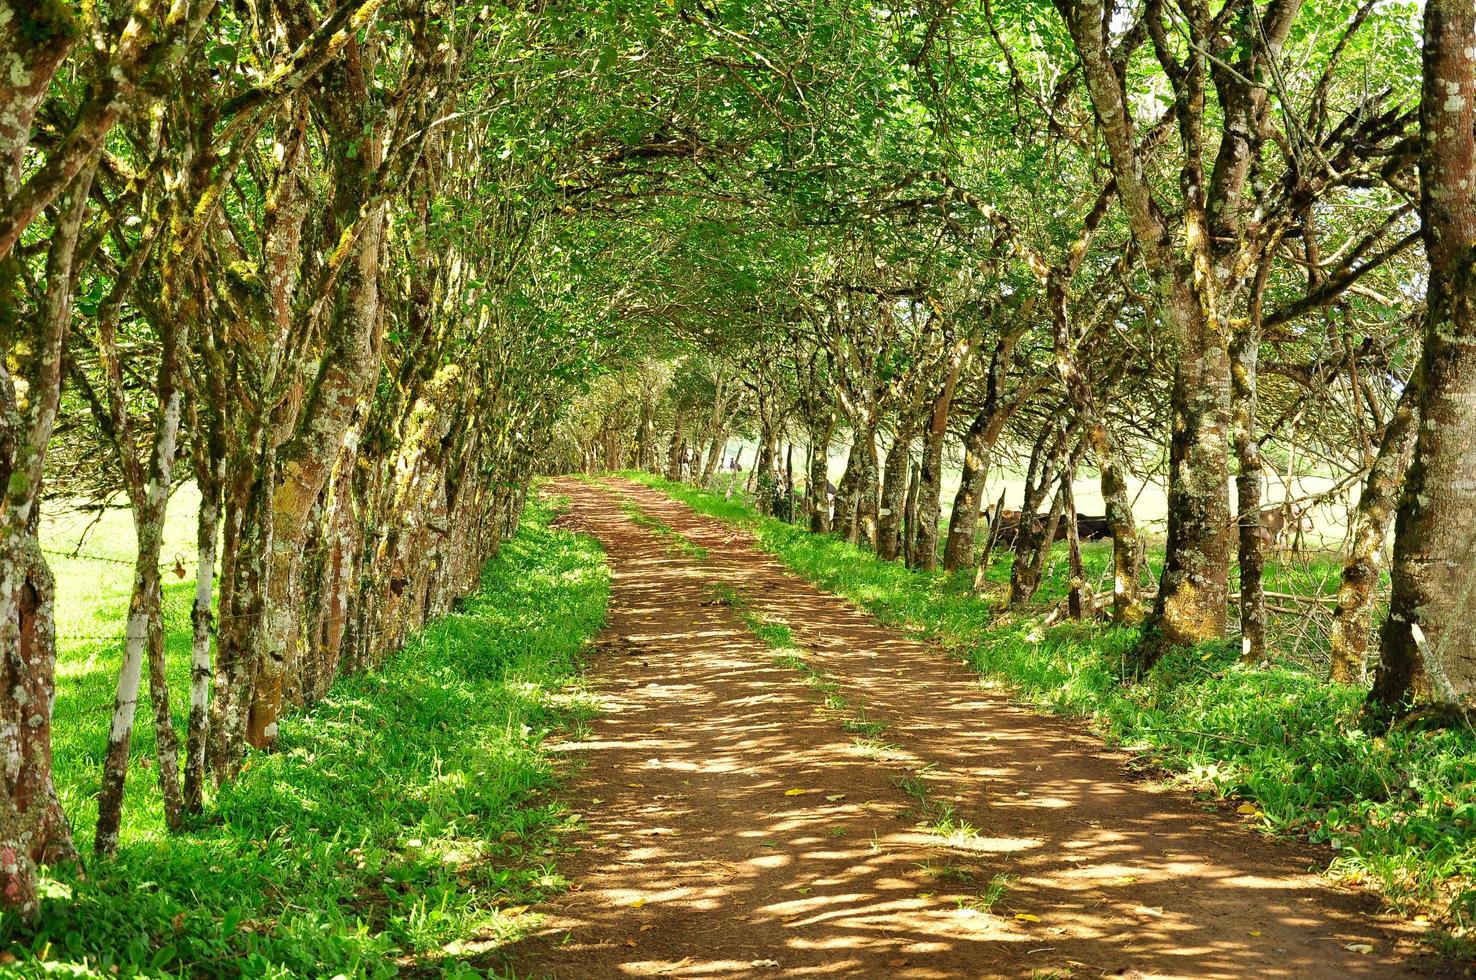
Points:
(1428, 643)
(31, 823)
(1352, 624)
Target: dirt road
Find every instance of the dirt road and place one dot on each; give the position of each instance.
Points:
(919, 826)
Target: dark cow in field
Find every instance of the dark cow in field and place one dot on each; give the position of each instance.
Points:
(1005, 527)
(1089, 527)
(1093, 527)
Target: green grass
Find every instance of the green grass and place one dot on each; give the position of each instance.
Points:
(92, 592)
(402, 817)
(850, 710)
(984, 902)
(1400, 809)
(673, 537)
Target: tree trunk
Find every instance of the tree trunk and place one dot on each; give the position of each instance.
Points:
(166, 742)
(819, 478)
(31, 823)
(1194, 587)
(207, 530)
(1252, 556)
(1352, 618)
(714, 457)
(30, 819)
(1127, 547)
(963, 525)
(245, 571)
(930, 486)
(909, 517)
(844, 523)
(1186, 277)
(1038, 538)
(1048, 534)
(145, 615)
(306, 463)
(866, 489)
(764, 480)
(1077, 585)
(342, 528)
(894, 493)
(789, 517)
(674, 450)
(645, 452)
(1428, 644)
(1040, 473)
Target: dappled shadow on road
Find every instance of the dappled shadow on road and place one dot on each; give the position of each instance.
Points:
(735, 828)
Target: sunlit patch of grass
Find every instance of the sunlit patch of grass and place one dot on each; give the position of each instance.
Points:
(404, 818)
(776, 635)
(860, 723)
(725, 595)
(852, 713)
(985, 901)
(1400, 808)
(944, 871)
(674, 538)
(938, 817)
(874, 748)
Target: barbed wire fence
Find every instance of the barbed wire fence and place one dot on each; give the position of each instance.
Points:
(88, 701)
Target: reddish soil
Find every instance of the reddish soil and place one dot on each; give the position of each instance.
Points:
(699, 861)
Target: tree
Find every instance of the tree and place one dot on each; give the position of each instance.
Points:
(1428, 642)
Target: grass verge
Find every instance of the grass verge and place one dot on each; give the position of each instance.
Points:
(402, 823)
(1400, 809)
(849, 710)
(674, 538)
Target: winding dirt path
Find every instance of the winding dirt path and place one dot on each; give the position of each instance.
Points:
(700, 859)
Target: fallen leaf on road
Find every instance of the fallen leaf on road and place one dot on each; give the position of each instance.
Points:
(1362, 948)
(764, 964)
(1145, 910)
(1027, 917)
(1248, 810)
(835, 797)
(638, 903)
